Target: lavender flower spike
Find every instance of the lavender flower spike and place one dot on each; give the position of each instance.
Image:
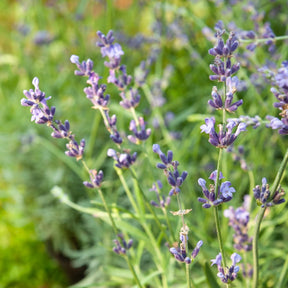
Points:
(123, 160)
(238, 220)
(112, 51)
(225, 137)
(36, 99)
(141, 135)
(262, 195)
(170, 168)
(122, 246)
(95, 179)
(224, 193)
(227, 274)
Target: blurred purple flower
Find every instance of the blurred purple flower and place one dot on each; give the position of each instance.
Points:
(122, 246)
(123, 160)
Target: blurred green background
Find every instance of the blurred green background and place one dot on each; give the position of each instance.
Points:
(44, 243)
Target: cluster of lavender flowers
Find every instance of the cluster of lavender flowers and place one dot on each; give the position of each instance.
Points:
(130, 97)
(263, 195)
(227, 274)
(122, 246)
(238, 220)
(170, 168)
(43, 114)
(180, 253)
(215, 198)
(223, 70)
(281, 94)
(175, 180)
(119, 77)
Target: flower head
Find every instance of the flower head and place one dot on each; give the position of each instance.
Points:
(170, 169)
(121, 245)
(96, 178)
(122, 160)
(263, 195)
(227, 274)
(224, 193)
(225, 137)
(37, 100)
(162, 200)
(223, 67)
(238, 220)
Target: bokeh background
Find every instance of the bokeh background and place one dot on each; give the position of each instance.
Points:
(46, 244)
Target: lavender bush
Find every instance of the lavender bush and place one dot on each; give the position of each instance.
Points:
(155, 232)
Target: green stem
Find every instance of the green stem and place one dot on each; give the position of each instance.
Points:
(264, 39)
(127, 190)
(161, 227)
(215, 210)
(133, 271)
(108, 211)
(103, 201)
(219, 236)
(188, 276)
(283, 274)
(259, 220)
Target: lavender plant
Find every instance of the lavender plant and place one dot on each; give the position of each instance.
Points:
(154, 232)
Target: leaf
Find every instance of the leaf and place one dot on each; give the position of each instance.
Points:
(212, 282)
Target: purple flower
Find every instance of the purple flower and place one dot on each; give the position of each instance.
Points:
(162, 201)
(224, 193)
(217, 260)
(109, 49)
(238, 220)
(227, 274)
(225, 137)
(74, 149)
(36, 99)
(170, 168)
(123, 160)
(180, 253)
(122, 246)
(140, 131)
(281, 94)
(262, 195)
(223, 67)
(95, 93)
(130, 99)
(95, 179)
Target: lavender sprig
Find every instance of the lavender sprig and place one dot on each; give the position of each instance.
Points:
(217, 103)
(281, 94)
(223, 67)
(262, 195)
(238, 220)
(122, 246)
(122, 160)
(227, 274)
(96, 94)
(225, 137)
(163, 201)
(213, 198)
(42, 114)
(170, 168)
